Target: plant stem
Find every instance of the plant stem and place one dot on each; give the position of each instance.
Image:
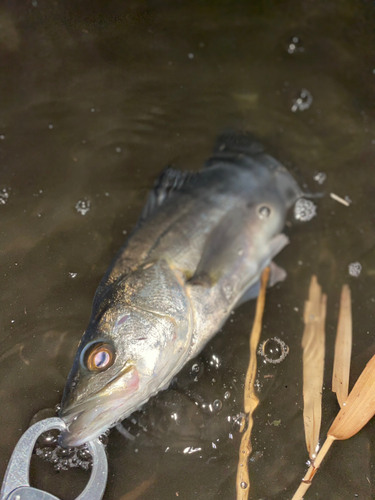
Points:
(306, 481)
(251, 400)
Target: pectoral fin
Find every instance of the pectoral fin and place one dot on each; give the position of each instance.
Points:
(277, 274)
(228, 252)
(214, 300)
(222, 249)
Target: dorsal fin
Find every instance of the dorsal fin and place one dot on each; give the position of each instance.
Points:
(232, 145)
(168, 182)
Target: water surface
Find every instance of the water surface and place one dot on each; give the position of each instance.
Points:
(96, 98)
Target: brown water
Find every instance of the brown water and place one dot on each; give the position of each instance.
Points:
(96, 98)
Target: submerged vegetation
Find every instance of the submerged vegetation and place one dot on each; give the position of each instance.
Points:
(357, 407)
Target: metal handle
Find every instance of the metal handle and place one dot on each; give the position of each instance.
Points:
(17, 473)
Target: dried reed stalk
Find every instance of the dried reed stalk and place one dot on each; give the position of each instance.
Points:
(313, 344)
(343, 348)
(358, 409)
(251, 400)
(306, 481)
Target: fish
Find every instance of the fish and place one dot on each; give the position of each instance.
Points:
(196, 253)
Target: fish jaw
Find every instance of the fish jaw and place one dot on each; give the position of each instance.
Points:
(87, 421)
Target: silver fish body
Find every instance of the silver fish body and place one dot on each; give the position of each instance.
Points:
(198, 251)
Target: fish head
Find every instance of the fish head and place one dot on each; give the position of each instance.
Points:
(121, 361)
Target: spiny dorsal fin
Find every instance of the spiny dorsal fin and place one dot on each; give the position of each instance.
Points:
(231, 145)
(168, 182)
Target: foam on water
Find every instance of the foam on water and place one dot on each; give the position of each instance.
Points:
(304, 210)
(83, 206)
(303, 101)
(355, 269)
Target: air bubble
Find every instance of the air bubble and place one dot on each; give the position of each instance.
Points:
(273, 350)
(239, 422)
(303, 101)
(355, 269)
(227, 395)
(4, 196)
(215, 361)
(83, 206)
(104, 438)
(243, 485)
(295, 45)
(304, 210)
(65, 452)
(195, 368)
(42, 414)
(217, 404)
(84, 454)
(320, 177)
(48, 438)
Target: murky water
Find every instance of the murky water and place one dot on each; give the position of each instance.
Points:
(96, 98)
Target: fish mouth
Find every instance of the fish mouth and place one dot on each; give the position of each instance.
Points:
(88, 420)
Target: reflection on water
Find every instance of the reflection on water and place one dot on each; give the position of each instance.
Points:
(96, 98)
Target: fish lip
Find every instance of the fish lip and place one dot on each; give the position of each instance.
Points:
(87, 420)
(128, 367)
(68, 439)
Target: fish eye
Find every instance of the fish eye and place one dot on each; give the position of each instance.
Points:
(99, 356)
(264, 211)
